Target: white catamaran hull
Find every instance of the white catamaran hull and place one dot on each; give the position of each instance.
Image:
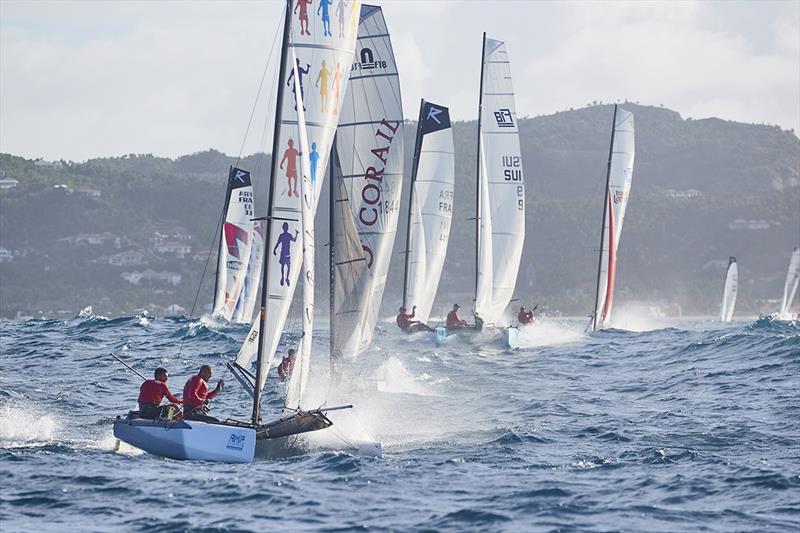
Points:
(509, 336)
(188, 439)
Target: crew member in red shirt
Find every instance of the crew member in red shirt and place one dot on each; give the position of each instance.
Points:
(405, 323)
(195, 394)
(152, 392)
(525, 317)
(453, 320)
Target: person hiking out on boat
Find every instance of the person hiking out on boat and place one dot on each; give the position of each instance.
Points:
(195, 395)
(285, 368)
(525, 316)
(409, 326)
(152, 392)
(453, 320)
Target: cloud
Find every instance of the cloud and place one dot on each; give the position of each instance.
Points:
(86, 79)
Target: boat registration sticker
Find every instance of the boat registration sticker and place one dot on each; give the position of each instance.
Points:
(236, 442)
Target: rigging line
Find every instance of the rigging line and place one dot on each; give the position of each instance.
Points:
(203, 275)
(260, 86)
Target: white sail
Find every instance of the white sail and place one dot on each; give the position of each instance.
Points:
(620, 174)
(501, 188)
(323, 49)
(431, 208)
(236, 239)
(369, 145)
(299, 375)
(729, 291)
(792, 280)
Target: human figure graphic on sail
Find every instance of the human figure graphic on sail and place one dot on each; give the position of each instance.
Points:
(314, 158)
(303, 16)
(337, 78)
(285, 241)
(290, 158)
(290, 82)
(324, 6)
(322, 77)
(340, 13)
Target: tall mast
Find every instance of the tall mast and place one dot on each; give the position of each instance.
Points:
(257, 392)
(411, 195)
(221, 235)
(478, 173)
(332, 256)
(603, 225)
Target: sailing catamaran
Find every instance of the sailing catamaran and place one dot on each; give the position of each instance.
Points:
(430, 208)
(307, 115)
(238, 260)
(790, 287)
(367, 178)
(729, 291)
(500, 195)
(619, 174)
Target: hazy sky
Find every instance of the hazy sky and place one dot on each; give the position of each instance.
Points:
(89, 79)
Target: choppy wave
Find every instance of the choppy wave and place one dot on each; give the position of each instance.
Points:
(674, 426)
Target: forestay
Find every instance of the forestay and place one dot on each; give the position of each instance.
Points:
(431, 208)
(729, 290)
(620, 174)
(792, 280)
(500, 188)
(369, 144)
(322, 51)
(235, 244)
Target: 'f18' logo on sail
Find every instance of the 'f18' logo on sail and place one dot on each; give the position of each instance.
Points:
(368, 61)
(504, 118)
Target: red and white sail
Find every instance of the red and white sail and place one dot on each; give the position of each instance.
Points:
(620, 174)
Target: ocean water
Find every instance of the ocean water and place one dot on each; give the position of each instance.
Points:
(680, 426)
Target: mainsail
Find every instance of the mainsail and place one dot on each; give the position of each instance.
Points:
(792, 280)
(369, 144)
(235, 244)
(430, 208)
(500, 220)
(615, 201)
(729, 291)
(320, 54)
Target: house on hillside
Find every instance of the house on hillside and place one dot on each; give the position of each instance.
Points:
(129, 258)
(151, 277)
(203, 256)
(741, 224)
(96, 239)
(5, 255)
(689, 193)
(171, 233)
(178, 249)
(8, 183)
(83, 190)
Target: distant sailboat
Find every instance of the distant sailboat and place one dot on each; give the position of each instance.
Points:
(792, 280)
(368, 178)
(500, 195)
(619, 174)
(430, 209)
(235, 441)
(729, 291)
(236, 242)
